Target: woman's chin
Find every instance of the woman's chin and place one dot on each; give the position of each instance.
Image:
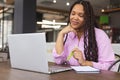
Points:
(76, 28)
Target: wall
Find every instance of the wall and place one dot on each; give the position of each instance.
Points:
(115, 19)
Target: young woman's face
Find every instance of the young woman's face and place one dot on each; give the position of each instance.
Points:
(77, 16)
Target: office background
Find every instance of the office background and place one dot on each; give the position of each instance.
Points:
(50, 16)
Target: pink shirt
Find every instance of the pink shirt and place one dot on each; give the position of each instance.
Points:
(105, 51)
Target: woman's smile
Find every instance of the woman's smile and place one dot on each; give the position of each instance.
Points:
(75, 22)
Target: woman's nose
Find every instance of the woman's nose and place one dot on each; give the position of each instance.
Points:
(75, 16)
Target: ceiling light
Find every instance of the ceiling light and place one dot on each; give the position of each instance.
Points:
(46, 22)
(51, 24)
(67, 3)
(102, 10)
(54, 1)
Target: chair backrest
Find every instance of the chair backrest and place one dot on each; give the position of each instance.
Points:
(116, 65)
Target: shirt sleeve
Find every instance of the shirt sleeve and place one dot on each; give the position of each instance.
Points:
(105, 52)
(58, 58)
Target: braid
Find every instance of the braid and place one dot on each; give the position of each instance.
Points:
(86, 32)
(90, 46)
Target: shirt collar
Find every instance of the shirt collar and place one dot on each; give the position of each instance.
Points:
(72, 35)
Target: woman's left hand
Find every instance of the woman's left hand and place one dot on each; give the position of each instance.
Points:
(78, 55)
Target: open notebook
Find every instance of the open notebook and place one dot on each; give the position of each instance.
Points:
(85, 69)
(28, 52)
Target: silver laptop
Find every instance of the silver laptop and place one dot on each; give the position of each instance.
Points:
(28, 52)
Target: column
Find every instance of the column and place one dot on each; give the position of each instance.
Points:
(24, 16)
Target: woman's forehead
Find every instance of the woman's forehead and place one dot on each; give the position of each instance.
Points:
(78, 8)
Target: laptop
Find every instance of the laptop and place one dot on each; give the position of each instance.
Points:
(28, 52)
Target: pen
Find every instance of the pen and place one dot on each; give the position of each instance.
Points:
(70, 55)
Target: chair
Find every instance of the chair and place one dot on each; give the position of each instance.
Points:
(116, 64)
(118, 56)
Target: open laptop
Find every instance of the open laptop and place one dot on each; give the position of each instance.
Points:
(28, 52)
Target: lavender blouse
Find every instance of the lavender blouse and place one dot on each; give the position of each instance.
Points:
(105, 51)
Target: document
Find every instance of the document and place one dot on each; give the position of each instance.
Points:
(85, 69)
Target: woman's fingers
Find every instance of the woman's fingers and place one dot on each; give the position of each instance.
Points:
(78, 55)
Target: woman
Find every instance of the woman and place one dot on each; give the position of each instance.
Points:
(85, 44)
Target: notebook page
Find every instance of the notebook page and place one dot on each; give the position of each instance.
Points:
(84, 69)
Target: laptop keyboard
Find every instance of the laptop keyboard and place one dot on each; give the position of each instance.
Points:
(58, 68)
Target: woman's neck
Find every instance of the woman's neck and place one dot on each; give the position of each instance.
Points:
(79, 33)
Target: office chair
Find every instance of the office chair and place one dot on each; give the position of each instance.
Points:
(116, 63)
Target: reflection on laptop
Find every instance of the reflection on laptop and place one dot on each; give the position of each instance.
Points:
(28, 52)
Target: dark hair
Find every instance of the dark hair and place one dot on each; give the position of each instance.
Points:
(90, 44)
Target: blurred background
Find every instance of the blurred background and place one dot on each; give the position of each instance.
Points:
(52, 16)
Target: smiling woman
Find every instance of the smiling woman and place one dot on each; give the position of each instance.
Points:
(89, 45)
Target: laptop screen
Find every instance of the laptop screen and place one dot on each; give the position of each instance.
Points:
(28, 51)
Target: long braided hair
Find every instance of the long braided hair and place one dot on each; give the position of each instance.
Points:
(90, 44)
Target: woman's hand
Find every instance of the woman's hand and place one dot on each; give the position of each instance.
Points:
(67, 29)
(78, 55)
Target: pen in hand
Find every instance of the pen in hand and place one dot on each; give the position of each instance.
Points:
(70, 55)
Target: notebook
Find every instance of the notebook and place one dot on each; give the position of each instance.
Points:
(28, 52)
(85, 69)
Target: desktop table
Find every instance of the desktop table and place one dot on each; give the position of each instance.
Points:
(7, 73)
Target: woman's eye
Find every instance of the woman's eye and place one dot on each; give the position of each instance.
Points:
(73, 13)
(81, 16)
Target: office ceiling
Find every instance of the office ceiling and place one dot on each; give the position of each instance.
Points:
(62, 9)
(61, 4)
(59, 9)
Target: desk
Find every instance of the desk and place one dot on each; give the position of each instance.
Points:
(6, 73)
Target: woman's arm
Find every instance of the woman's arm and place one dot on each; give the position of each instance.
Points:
(60, 39)
(59, 43)
(106, 55)
(60, 49)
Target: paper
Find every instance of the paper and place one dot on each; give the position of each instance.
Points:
(85, 69)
